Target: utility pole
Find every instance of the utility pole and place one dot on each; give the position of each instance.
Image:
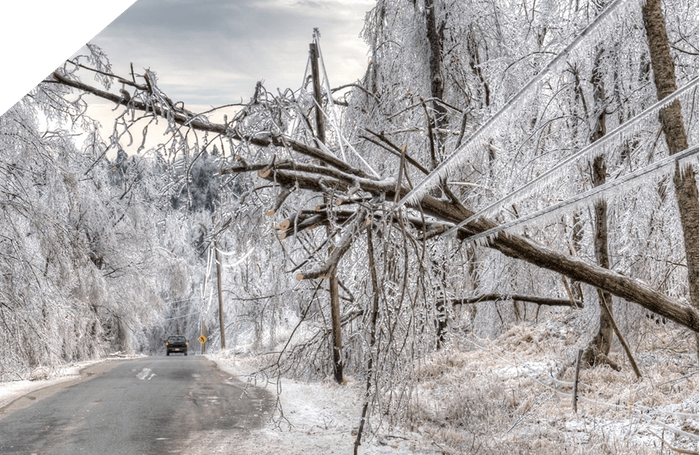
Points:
(221, 296)
(320, 123)
(332, 276)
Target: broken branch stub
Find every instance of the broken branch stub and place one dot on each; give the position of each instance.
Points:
(284, 225)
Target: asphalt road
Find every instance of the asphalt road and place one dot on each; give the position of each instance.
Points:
(146, 406)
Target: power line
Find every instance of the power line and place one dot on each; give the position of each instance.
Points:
(599, 190)
(586, 150)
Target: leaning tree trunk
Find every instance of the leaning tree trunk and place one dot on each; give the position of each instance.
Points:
(676, 139)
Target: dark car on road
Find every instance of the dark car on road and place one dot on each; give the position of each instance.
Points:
(176, 344)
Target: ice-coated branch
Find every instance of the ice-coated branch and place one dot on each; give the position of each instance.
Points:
(358, 225)
(198, 122)
(286, 191)
(291, 226)
(393, 149)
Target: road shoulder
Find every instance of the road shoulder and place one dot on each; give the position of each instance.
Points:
(15, 395)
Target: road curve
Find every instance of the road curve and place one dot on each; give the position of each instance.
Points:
(145, 406)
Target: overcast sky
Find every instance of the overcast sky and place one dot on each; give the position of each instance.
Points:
(212, 52)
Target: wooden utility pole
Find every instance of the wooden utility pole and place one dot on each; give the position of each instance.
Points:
(221, 296)
(332, 276)
(320, 122)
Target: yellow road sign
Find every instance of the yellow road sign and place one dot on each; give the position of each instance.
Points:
(202, 339)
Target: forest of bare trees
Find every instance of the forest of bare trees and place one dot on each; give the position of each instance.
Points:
(498, 162)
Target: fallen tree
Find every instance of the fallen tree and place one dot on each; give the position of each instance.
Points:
(513, 246)
(316, 170)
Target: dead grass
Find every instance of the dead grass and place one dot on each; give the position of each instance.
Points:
(513, 395)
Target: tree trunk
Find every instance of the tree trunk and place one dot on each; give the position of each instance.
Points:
(336, 325)
(576, 237)
(436, 123)
(600, 344)
(440, 303)
(671, 119)
(435, 41)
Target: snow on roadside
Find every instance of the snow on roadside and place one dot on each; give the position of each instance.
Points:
(315, 418)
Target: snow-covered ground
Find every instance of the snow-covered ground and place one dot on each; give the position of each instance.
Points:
(313, 418)
(514, 394)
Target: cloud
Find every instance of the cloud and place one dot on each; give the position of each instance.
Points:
(214, 51)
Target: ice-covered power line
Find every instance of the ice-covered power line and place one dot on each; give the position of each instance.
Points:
(182, 316)
(334, 115)
(245, 256)
(471, 143)
(590, 194)
(586, 151)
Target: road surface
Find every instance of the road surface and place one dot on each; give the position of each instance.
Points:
(145, 406)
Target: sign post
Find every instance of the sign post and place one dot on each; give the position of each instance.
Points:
(202, 338)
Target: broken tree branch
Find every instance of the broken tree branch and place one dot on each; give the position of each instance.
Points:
(358, 225)
(625, 347)
(286, 191)
(522, 298)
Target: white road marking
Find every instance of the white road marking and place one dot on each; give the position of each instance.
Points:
(145, 372)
